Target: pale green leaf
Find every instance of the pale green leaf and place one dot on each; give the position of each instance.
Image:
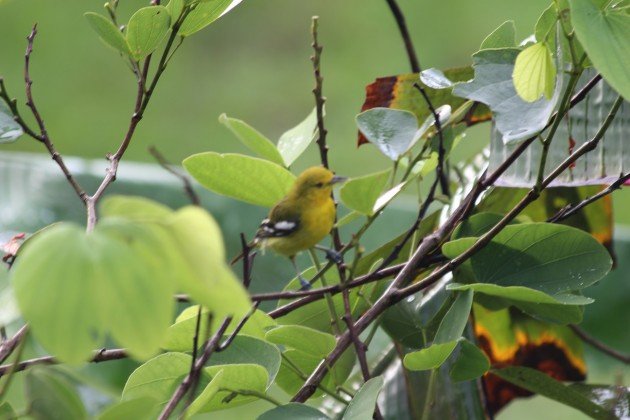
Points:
(108, 32)
(135, 208)
(295, 141)
(252, 139)
(9, 129)
(146, 29)
(244, 178)
(203, 15)
(143, 408)
(431, 357)
(301, 338)
(435, 79)
(363, 404)
(534, 72)
(360, 194)
(293, 411)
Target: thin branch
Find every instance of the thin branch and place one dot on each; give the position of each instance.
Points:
(571, 209)
(186, 384)
(8, 346)
(320, 100)
(43, 136)
(248, 261)
(103, 355)
(188, 188)
(587, 338)
(404, 32)
(224, 345)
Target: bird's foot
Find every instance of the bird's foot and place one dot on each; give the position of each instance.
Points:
(304, 283)
(334, 256)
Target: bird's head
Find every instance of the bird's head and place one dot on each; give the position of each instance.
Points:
(315, 183)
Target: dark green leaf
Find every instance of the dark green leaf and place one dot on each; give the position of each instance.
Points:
(540, 383)
(293, 411)
(51, 397)
(108, 32)
(471, 363)
(146, 29)
(452, 326)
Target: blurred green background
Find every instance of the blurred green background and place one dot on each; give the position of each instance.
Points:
(252, 64)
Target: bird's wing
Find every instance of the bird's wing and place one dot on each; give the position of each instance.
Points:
(280, 223)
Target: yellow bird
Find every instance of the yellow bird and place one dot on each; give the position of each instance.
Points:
(301, 219)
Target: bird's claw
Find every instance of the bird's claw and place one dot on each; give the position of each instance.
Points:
(334, 256)
(304, 283)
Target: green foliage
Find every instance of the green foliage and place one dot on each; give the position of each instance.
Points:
(301, 338)
(540, 383)
(502, 37)
(534, 73)
(253, 139)
(470, 364)
(393, 131)
(9, 129)
(146, 29)
(360, 194)
(295, 141)
(605, 35)
(108, 32)
(363, 403)
(492, 85)
(50, 396)
(431, 357)
(140, 408)
(293, 411)
(244, 178)
(158, 377)
(203, 15)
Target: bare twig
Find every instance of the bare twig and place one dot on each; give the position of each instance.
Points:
(43, 136)
(188, 188)
(587, 338)
(8, 346)
(103, 355)
(404, 32)
(571, 209)
(224, 345)
(248, 261)
(190, 379)
(320, 100)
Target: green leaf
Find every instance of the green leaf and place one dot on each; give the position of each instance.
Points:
(540, 383)
(142, 408)
(360, 194)
(295, 141)
(534, 72)
(146, 29)
(514, 118)
(7, 412)
(74, 287)
(9, 129)
(430, 358)
(393, 131)
(250, 350)
(135, 208)
(470, 364)
(158, 377)
(252, 139)
(179, 336)
(502, 37)
(562, 308)
(545, 24)
(293, 411)
(454, 322)
(551, 258)
(605, 35)
(203, 15)
(301, 338)
(108, 32)
(364, 402)
(255, 181)
(234, 378)
(49, 393)
(476, 225)
(204, 275)
(175, 9)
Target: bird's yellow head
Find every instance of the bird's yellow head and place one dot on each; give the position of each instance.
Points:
(315, 184)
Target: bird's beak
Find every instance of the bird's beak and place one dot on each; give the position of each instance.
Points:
(338, 180)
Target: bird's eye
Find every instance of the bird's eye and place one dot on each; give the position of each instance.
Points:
(319, 184)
